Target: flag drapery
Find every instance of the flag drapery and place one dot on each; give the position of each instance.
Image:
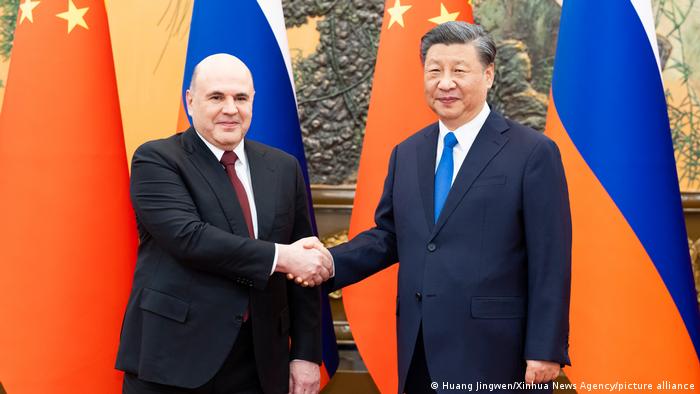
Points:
(254, 31)
(68, 242)
(634, 315)
(397, 109)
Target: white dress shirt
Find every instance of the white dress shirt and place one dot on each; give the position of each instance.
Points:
(243, 173)
(466, 134)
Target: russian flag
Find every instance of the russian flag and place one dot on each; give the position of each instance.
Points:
(634, 314)
(254, 31)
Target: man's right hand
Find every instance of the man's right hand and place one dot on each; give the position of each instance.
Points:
(310, 266)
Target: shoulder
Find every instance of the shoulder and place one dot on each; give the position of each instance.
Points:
(527, 137)
(270, 154)
(160, 147)
(425, 135)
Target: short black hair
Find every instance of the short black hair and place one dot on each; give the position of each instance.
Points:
(456, 32)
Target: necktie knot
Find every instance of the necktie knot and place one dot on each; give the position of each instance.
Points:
(229, 158)
(450, 140)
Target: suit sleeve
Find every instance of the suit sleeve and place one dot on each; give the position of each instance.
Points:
(165, 209)
(547, 220)
(373, 250)
(304, 302)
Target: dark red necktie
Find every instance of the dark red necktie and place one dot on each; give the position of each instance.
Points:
(229, 161)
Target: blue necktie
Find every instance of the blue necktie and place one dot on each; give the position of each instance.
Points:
(443, 175)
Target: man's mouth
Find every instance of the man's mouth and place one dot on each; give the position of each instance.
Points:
(447, 100)
(228, 124)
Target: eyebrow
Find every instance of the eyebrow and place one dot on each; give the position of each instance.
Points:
(220, 93)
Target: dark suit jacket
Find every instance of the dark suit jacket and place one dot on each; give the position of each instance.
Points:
(490, 281)
(197, 269)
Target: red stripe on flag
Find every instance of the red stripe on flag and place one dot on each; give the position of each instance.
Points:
(625, 326)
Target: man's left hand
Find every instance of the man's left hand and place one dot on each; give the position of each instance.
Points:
(304, 377)
(541, 371)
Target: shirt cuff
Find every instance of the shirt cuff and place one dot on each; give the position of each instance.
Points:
(332, 267)
(274, 261)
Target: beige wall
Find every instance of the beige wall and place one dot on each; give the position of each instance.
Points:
(149, 40)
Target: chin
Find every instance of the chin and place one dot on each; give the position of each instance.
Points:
(447, 115)
(228, 140)
(231, 142)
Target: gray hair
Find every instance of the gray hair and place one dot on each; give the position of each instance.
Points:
(460, 33)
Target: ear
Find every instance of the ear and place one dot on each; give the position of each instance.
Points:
(490, 73)
(188, 100)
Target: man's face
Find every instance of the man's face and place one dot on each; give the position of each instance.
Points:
(220, 102)
(455, 82)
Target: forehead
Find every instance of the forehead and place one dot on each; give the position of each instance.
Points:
(225, 79)
(452, 53)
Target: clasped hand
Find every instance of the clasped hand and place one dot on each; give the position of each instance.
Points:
(306, 261)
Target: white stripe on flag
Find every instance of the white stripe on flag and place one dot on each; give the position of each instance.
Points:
(646, 16)
(275, 18)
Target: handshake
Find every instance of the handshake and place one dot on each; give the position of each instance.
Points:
(306, 261)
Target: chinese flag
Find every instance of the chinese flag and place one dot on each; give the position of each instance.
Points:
(397, 110)
(67, 243)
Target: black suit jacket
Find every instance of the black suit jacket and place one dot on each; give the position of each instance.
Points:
(197, 269)
(490, 281)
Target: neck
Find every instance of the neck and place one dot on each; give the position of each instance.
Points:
(454, 124)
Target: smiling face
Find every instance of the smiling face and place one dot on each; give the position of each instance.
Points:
(220, 100)
(455, 82)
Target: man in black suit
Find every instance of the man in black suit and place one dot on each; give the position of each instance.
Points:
(210, 309)
(475, 207)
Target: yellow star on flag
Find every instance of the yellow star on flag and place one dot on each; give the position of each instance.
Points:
(26, 9)
(445, 16)
(74, 16)
(396, 13)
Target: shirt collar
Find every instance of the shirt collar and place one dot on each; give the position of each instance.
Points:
(239, 150)
(468, 131)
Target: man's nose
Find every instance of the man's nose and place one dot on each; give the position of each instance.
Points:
(229, 106)
(446, 82)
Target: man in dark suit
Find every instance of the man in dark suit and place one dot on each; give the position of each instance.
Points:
(475, 207)
(211, 310)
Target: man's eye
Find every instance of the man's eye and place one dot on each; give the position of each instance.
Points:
(215, 98)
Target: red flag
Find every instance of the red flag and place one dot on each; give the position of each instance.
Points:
(397, 110)
(67, 243)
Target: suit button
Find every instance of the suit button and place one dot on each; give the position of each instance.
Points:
(432, 247)
(419, 296)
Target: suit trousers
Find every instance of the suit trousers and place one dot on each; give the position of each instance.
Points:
(238, 374)
(418, 380)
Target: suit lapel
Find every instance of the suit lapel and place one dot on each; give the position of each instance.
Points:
(262, 175)
(215, 175)
(487, 144)
(426, 152)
